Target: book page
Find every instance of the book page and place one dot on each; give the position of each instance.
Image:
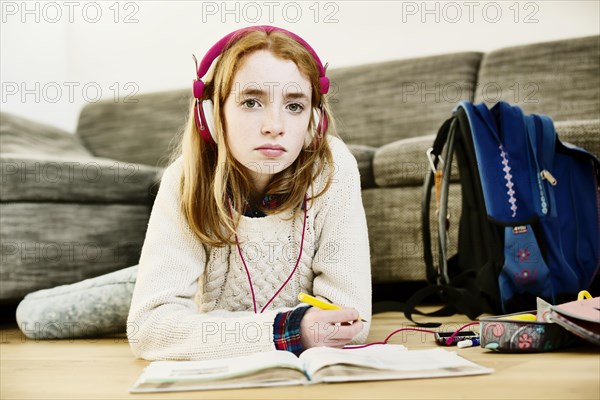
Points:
(386, 362)
(260, 369)
(379, 356)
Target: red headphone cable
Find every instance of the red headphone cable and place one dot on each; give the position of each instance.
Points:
(449, 341)
(248, 271)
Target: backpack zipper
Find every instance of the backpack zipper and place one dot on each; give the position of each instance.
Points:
(545, 174)
(545, 190)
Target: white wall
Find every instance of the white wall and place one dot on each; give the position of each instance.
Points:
(58, 56)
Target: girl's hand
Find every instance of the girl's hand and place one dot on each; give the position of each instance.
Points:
(332, 328)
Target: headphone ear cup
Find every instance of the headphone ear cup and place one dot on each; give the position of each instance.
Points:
(205, 122)
(208, 107)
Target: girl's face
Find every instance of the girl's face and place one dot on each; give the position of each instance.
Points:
(267, 114)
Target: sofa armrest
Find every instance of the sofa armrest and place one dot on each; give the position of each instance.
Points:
(19, 135)
(79, 180)
(582, 133)
(39, 162)
(364, 158)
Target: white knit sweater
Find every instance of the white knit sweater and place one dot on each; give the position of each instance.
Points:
(188, 305)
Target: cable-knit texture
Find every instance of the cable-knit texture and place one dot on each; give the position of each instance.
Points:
(190, 305)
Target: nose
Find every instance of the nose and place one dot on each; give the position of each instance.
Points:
(272, 122)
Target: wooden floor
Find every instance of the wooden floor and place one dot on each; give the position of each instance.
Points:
(105, 369)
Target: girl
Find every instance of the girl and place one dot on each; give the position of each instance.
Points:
(262, 203)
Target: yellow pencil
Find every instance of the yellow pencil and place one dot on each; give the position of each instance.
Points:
(323, 305)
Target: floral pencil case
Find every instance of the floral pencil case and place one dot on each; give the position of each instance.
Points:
(518, 333)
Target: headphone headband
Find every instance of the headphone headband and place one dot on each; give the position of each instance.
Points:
(217, 49)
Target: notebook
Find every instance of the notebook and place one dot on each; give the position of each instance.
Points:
(315, 365)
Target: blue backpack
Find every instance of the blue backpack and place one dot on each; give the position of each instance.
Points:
(529, 222)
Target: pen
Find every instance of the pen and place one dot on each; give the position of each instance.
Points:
(468, 343)
(323, 305)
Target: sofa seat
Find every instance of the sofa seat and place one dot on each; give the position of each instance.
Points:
(67, 242)
(394, 223)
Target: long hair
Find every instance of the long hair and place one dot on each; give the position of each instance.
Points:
(211, 178)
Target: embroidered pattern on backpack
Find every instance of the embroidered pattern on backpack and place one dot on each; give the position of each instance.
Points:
(523, 255)
(509, 183)
(525, 276)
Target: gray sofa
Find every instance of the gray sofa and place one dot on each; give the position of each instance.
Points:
(76, 206)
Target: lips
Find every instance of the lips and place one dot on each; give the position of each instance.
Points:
(271, 150)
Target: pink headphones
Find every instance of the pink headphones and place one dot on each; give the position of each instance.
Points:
(204, 114)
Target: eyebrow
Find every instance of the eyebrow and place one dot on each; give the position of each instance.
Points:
(297, 96)
(261, 94)
(253, 92)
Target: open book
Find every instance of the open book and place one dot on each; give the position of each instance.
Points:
(315, 365)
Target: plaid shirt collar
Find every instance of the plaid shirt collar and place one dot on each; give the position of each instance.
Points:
(268, 202)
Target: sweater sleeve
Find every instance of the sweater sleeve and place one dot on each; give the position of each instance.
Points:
(342, 263)
(164, 322)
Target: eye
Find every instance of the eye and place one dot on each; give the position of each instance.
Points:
(296, 107)
(250, 103)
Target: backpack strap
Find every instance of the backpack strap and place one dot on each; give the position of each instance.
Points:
(459, 293)
(409, 308)
(458, 300)
(443, 209)
(433, 274)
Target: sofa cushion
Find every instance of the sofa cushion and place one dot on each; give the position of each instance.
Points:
(75, 180)
(404, 162)
(364, 158)
(20, 135)
(376, 104)
(559, 78)
(140, 132)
